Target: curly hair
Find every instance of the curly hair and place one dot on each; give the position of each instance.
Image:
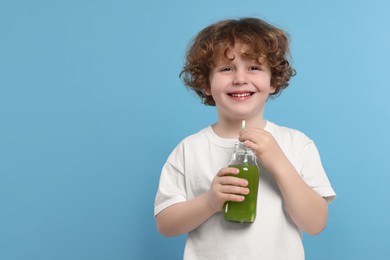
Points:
(261, 40)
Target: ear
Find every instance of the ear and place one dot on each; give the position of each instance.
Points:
(207, 91)
(272, 90)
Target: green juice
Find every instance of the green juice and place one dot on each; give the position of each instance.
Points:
(245, 211)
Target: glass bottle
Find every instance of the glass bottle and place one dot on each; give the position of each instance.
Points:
(244, 159)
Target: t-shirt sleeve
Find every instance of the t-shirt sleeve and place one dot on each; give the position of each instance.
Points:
(171, 188)
(313, 172)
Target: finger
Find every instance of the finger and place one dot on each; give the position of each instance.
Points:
(252, 134)
(227, 189)
(233, 181)
(252, 130)
(252, 145)
(226, 171)
(233, 197)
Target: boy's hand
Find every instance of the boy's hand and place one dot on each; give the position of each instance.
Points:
(264, 145)
(226, 188)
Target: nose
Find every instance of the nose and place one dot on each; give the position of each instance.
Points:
(240, 78)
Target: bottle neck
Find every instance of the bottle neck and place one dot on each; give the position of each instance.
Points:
(241, 148)
(243, 155)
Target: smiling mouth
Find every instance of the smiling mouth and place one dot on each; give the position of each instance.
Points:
(241, 95)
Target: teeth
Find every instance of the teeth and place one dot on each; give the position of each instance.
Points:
(240, 95)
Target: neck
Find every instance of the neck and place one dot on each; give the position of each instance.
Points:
(230, 129)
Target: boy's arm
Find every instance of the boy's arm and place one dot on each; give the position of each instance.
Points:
(308, 209)
(184, 217)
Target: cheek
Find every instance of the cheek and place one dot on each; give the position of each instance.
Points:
(216, 83)
(264, 85)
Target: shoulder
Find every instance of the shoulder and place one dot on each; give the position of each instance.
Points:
(196, 138)
(192, 141)
(287, 133)
(288, 138)
(299, 148)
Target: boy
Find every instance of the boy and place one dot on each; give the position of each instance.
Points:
(236, 65)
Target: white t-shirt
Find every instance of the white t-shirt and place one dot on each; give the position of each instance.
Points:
(189, 172)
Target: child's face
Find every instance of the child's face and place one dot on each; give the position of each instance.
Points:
(240, 86)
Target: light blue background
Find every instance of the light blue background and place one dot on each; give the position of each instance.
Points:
(91, 105)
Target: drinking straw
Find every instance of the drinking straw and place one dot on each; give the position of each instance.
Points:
(243, 126)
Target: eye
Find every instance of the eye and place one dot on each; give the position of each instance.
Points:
(225, 69)
(255, 68)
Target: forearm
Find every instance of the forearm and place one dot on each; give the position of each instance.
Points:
(184, 217)
(306, 207)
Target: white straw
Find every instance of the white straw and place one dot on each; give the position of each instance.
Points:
(243, 124)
